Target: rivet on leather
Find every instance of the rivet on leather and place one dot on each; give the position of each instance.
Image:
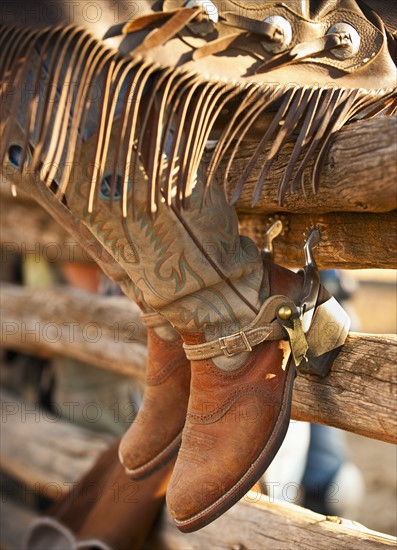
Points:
(203, 25)
(285, 29)
(350, 38)
(207, 5)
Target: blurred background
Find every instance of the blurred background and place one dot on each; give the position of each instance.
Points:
(375, 305)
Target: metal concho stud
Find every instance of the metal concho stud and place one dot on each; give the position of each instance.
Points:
(284, 26)
(209, 7)
(284, 312)
(352, 40)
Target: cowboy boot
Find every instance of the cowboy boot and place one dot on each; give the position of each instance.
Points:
(194, 269)
(215, 296)
(105, 510)
(212, 299)
(155, 434)
(234, 314)
(237, 420)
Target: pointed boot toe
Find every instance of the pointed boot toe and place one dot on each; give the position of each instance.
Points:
(155, 435)
(237, 419)
(235, 424)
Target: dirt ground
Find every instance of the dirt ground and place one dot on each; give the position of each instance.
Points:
(375, 304)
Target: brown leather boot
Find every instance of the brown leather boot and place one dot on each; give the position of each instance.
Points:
(237, 420)
(104, 511)
(155, 212)
(155, 435)
(234, 314)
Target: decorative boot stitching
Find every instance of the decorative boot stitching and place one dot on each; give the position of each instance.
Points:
(260, 464)
(211, 369)
(163, 373)
(266, 396)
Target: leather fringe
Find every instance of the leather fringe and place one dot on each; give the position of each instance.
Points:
(181, 109)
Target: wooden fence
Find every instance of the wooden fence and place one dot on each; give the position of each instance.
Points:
(353, 215)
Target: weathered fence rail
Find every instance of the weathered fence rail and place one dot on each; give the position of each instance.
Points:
(359, 173)
(105, 332)
(370, 228)
(343, 234)
(258, 523)
(54, 454)
(359, 386)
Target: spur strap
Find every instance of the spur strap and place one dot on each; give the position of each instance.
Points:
(279, 319)
(265, 326)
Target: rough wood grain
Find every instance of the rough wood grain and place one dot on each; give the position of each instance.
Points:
(360, 393)
(25, 227)
(343, 235)
(361, 386)
(253, 523)
(359, 175)
(257, 523)
(103, 331)
(44, 451)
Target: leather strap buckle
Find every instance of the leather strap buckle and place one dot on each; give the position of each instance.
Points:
(236, 348)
